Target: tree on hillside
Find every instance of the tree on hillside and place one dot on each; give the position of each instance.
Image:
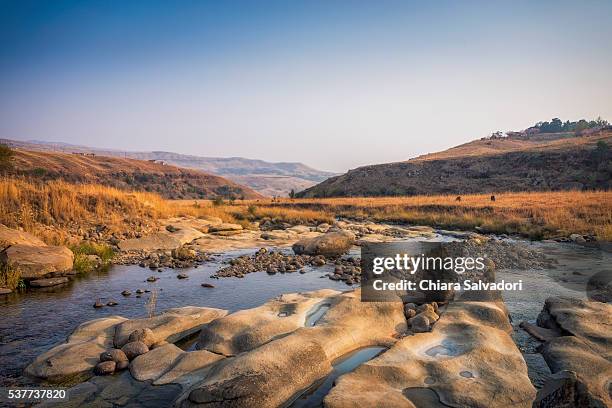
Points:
(6, 154)
(556, 125)
(292, 193)
(601, 152)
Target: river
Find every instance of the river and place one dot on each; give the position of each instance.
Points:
(33, 322)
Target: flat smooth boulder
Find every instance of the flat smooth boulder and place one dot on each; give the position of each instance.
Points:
(79, 355)
(467, 360)
(299, 229)
(277, 235)
(247, 329)
(330, 244)
(168, 364)
(152, 365)
(37, 261)
(226, 226)
(9, 236)
(186, 235)
(170, 326)
(580, 357)
(163, 240)
(277, 371)
(189, 368)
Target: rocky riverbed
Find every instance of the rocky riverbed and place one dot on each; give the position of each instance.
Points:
(206, 348)
(279, 353)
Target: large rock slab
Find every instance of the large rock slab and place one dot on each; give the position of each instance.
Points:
(273, 373)
(170, 326)
(169, 364)
(9, 236)
(468, 360)
(163, 240)
(247, 329)
(330, 244)
(299, 229)
(37, 261)
(226, 226)
(152, 365)
(117, 391)
(581, 357)
(80, 353)
(189, 368)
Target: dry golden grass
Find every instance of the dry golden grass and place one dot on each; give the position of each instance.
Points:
(532, 214)
(51, 209)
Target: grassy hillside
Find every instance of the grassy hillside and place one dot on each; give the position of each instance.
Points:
(127, 174)
(267, 178)
(547, 162)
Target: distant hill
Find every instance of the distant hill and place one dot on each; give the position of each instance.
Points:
(270, 179)
(169, 181)
(522, 162)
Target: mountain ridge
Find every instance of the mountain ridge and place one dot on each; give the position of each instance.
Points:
(257, 174)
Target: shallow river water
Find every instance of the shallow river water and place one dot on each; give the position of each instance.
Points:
(33, 322)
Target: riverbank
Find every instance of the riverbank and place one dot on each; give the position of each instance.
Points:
(60, 213)
(534, 215)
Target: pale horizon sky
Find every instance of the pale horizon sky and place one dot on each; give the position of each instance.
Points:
(332, 84)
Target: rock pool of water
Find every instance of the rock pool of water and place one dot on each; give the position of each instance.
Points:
(313, 397)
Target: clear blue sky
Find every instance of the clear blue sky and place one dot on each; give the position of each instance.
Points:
(333, 84)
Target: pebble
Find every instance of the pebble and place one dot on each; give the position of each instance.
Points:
(105, 368)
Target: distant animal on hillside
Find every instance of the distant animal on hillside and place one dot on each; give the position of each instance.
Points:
(492, 198)
(458, 198)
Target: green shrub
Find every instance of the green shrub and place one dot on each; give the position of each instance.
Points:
(10, 277)
(83, 263)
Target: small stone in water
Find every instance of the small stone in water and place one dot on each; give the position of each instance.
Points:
(105, 368)
(126, 293)
(112, 302)
(208, 285)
